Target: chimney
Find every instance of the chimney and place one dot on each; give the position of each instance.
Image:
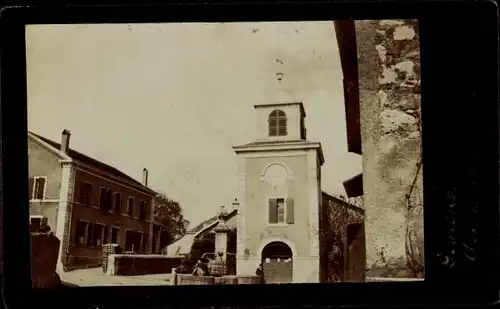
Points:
(145, 177)
(66, 134)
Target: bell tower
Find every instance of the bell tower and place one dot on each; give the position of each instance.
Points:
(279, 183)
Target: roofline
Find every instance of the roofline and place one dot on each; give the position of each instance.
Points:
(65, 159)
(345, 32)
(282, 146)
(49, 147)
(349, 205)
(302, 110)
(231, 213)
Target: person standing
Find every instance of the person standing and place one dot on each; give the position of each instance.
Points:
(260, 272)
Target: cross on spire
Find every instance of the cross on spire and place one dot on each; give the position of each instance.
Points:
(280, 74)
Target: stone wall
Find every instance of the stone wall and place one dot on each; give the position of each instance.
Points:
(44, 251)
(389, 88)
(135, 264)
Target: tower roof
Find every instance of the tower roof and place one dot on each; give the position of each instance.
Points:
(268, 105)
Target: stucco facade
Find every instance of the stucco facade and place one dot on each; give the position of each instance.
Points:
(45, 163)
(284, 169)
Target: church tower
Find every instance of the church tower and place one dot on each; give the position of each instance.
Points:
(279, 183)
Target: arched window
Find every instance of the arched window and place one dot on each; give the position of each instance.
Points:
(277, 123)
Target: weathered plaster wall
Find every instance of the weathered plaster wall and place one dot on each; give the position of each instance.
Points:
(42, 162)
(258, 192)
(300, 182)
(389, 77)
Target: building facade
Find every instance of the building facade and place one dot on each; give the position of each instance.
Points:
(279, 181)
(87, 203)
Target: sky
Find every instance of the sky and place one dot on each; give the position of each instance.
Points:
(175, 98)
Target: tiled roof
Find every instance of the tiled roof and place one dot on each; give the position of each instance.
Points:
(208, 222)
(80, 157)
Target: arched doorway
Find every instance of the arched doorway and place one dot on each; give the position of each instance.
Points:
(277, 263)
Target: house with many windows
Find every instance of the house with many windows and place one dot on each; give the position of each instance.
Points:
(87, 203)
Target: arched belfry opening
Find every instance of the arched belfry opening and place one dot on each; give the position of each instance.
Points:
(277, 263)
(277, 123)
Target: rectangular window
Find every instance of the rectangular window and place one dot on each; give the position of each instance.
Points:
(109, 200)
(97, 235)
(86, 194)
(90, 234)
(130, 206)
(103, 197)
(37, 188)
(81, 231)
(118, 202)
(114, 235)
(143, 210)
(281, 210)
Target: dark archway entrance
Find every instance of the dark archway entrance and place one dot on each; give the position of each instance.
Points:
(277, 263)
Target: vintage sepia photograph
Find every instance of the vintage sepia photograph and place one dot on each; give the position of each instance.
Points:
(224, 153)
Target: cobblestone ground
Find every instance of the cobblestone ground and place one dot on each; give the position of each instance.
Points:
(95, 277)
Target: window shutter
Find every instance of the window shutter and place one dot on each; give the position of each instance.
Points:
(41, 188)
(109, 200)
(30, 187)
(273, 210)
(290, 216)
(105, 239)
(90, 234)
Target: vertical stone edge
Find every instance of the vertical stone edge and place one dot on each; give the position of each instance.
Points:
(64, 213)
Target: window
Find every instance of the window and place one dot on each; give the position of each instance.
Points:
(81, 232)
(109, 200)
(86, 194)
(114, 235)
(105, 199)
(105, 235)
(130, 205)
(277, 123)
(133, 241)
(281, 210)
(143, 210)
(97, 235)
(118, 202)
(37, 188)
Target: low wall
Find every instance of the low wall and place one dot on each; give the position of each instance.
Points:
(183, 279)
(44, 253)
(137, 264)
